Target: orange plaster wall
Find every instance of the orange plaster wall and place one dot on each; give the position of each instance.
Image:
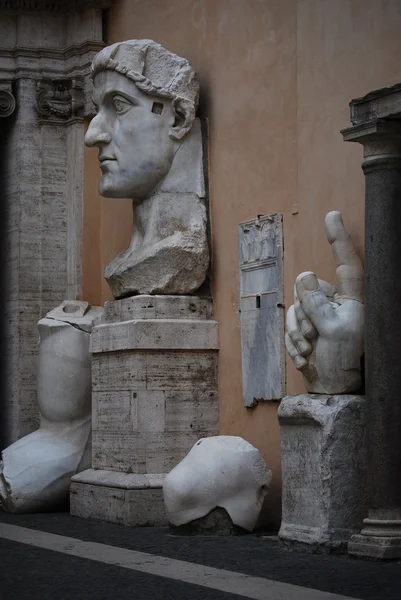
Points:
(276, 79)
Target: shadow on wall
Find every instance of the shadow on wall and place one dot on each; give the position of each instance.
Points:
(6, 125)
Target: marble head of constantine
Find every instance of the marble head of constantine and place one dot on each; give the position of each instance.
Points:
(146, 100)
(151, 150)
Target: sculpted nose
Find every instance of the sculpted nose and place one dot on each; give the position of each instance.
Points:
(96, 134)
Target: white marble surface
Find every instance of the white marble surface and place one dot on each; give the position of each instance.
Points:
(150, 150)
(224, 471)
(325, 337)
(35, 471)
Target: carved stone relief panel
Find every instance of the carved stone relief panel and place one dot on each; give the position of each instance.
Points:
(262, 309)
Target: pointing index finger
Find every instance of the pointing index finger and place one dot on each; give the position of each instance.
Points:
(349, 265)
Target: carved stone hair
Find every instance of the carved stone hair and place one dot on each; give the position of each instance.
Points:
(155, 71)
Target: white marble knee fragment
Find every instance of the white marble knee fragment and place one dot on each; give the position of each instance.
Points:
(35, 471)
(221, 471)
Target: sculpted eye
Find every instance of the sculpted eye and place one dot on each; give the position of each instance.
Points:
(122, 105)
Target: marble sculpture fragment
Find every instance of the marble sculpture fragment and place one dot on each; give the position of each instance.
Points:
(35, 471)
(220, 471)
(325, 324)
(150, 150)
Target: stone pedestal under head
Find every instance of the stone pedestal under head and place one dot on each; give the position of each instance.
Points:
(223, 472)
(323, 459)
(325, 325)
(35, 471)
(154, 395)
(150, 150)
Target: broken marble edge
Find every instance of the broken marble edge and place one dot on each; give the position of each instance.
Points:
(85, 317)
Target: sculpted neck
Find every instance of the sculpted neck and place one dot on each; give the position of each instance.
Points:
(155, 218)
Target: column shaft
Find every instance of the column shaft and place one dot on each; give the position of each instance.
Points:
(383, 329)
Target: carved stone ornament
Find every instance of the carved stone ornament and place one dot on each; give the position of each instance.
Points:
(59, 99)
(258, 240)
(7, 103)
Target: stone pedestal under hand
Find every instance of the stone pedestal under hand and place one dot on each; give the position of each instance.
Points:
(323, 461)
(154, 395)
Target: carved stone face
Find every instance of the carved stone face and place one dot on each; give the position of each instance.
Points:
(131, 130)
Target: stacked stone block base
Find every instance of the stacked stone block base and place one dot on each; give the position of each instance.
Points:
(121, 498)
(154, 394)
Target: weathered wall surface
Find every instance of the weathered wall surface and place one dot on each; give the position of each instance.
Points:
(276, 79)
(45, 54)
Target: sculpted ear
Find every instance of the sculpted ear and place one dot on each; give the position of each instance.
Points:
(184, 112)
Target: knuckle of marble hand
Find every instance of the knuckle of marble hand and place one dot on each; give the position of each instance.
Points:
(303, 347)
(300, 362)
(307, 328)
(289, 345)
(301, 344)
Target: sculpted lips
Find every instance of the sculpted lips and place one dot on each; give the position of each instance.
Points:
(105, 161)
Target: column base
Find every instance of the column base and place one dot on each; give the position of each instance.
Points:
(381, 536)
(365, 546)
(123, 498)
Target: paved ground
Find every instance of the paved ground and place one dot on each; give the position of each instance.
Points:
(79, 565)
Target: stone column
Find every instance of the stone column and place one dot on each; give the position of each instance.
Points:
(46, 51)
(381, 536)
(7, 112)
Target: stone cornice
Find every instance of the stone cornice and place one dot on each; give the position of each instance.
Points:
(52, 5)
(372, 130)
(384, 103)
(53, 53)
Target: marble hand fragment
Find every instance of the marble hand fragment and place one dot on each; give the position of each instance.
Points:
(325, 324)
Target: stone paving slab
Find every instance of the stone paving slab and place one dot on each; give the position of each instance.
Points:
(29, 573)
(251, 555)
